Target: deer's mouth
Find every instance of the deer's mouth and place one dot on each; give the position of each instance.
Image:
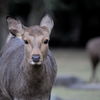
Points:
(35, 63)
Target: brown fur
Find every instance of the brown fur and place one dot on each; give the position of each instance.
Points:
(93, 49)
(20, 78)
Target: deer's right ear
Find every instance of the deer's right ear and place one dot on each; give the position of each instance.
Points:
(15, 27)
(47, 22)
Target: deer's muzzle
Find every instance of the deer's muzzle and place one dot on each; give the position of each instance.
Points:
(36, 58)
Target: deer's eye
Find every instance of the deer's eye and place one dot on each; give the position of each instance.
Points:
(26, 42)
(46, 41)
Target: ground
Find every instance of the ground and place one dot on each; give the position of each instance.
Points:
(75, 63)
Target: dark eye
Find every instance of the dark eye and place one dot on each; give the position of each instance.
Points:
(46, 41)
(26, 42)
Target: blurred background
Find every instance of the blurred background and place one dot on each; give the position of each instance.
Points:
(76, 22)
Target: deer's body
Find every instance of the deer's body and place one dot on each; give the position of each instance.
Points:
(93, 49)
(23, 79)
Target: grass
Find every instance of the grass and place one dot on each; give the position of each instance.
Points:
(76, 63)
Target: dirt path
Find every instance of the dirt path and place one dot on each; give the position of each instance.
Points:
(75, 83)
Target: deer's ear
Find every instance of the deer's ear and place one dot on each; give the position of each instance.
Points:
(15, 27)
(47, 22)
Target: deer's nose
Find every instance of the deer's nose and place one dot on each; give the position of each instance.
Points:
(36, 57)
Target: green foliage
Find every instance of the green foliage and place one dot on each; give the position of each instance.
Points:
(75, 63)
(72, 4)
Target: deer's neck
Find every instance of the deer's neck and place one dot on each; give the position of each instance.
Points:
(34, 80)
(32, 72)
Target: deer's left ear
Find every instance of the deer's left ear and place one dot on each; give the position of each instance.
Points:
(47, 22)
(15, 27)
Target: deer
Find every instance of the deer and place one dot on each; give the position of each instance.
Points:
(93, 50)
(27, 66)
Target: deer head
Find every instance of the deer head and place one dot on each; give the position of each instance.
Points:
(36, 38)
